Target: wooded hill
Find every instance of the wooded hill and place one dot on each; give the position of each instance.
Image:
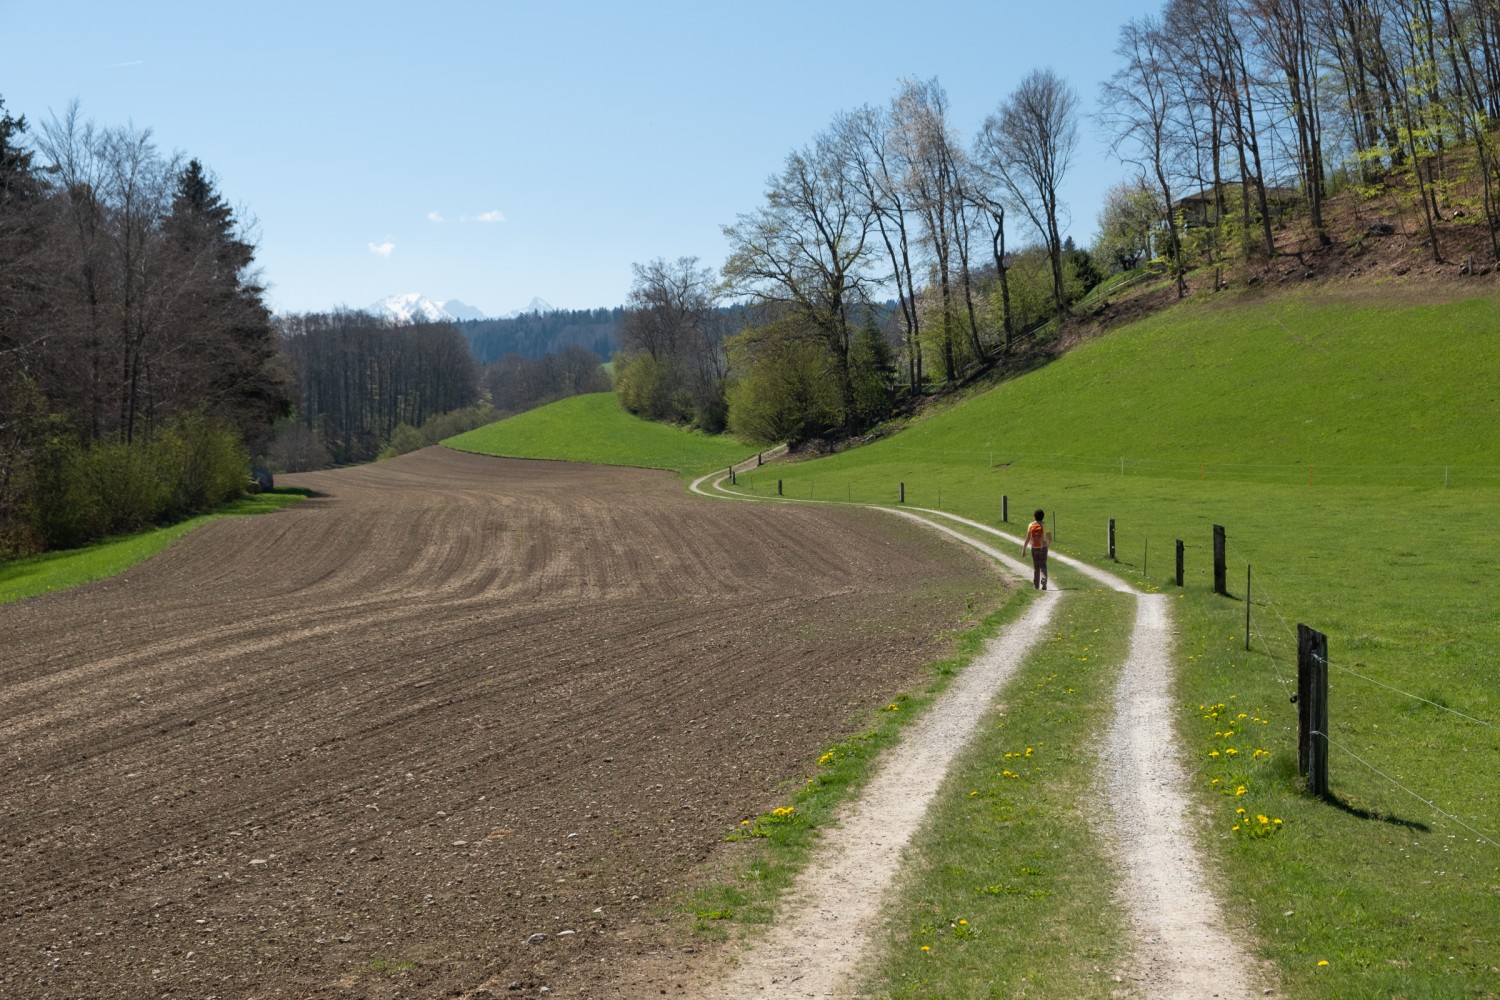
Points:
(532, 335)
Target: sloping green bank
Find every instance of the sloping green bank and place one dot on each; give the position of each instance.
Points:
(594, 428)
(1320, 434)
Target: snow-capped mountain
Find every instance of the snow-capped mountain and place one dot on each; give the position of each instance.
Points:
(534, 306)
(461, 310)
(414, 307)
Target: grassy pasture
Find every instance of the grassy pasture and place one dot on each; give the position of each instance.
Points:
(593, 428)
(1320, 434)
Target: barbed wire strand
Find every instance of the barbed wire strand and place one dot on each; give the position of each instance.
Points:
(1428, 802)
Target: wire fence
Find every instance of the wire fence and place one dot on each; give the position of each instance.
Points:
(1313, 474)
(1271, 603)
(1258, 639)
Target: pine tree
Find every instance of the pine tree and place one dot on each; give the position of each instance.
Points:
(223, 316)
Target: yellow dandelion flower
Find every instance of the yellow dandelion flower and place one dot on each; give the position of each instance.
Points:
(1213, 753)
(1241, 790)
(1230, 752)
(1323, 961)
(929, 948)
(962, 922)
(1262, 820)
(1277, 822)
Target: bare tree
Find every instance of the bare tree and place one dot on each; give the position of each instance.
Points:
(673, 318)
(807, 251)
(1028, 142)
(1288, 45)
(1137, 109)
(933, 175)
(870, 156)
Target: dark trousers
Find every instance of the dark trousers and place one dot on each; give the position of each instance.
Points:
(1038, 566)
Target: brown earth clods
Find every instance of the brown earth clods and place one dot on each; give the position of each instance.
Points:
(369, 745)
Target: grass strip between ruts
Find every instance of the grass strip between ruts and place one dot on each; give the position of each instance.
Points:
(1006, 889)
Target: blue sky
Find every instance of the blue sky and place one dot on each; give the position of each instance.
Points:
(492, 152)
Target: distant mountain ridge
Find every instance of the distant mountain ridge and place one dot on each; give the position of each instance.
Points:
(414, 307)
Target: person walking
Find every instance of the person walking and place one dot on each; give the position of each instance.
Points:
(1038, 539)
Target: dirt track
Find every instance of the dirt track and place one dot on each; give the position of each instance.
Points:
(366, 746)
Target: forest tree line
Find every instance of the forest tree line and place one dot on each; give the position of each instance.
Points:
(141, 370)
(137, 356)
(362, 383)
(1228, 115)
(887, 202)
(535, 334)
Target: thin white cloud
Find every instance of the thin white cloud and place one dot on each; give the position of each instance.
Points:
(494, 215)
(382, 249)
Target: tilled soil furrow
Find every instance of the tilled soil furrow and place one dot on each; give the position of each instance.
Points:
(450, 703)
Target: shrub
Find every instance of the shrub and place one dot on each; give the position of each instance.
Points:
(202, 463)
(649, 387)
(81, 494)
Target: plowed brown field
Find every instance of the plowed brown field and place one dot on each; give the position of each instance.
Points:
(368, 745)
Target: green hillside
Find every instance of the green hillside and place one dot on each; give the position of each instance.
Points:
(1320, 431)
(1257, 390)
(593, 428)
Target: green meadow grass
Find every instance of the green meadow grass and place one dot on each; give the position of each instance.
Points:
(1219, 412)
(593, 428)
(24, 578)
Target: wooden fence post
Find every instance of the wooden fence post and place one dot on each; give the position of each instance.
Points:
(1312, 709)
(778, 487)
(1111, 539)
(1179, 562)
(1004, 509)
(903, 494)
(1221, 580)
